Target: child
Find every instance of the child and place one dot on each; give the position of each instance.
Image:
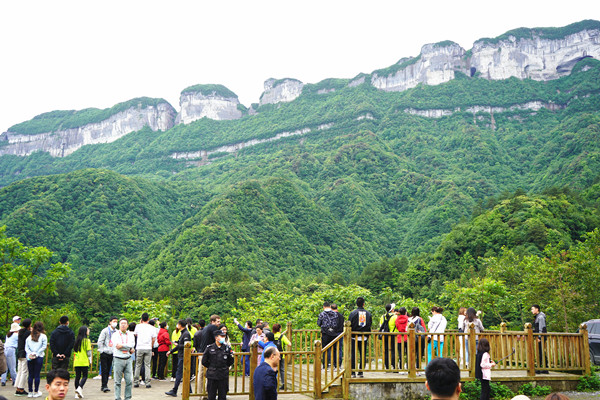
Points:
(483, 367)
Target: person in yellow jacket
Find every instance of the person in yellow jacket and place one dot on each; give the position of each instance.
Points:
(387, 323)
(82, 359)
(283, 344)
(174, 359)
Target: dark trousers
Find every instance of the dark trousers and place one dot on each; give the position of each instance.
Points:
(60, 363)
(485, 389)
(246, 363)
(389, 351)
(162, 364)
(419, 349)
(105, 365)
(81, 375)
(154, 361)
(217, 385)
(358, 345)
(402, 354)
(175, 363)
(34, 367)
(542, 359)
(325, 340)
(179, 377)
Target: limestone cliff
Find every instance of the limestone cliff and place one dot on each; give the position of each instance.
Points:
(210, 101)
(283, 90)
(62, 142)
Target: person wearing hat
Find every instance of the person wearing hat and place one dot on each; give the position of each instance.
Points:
(10, 351)
(217, 359)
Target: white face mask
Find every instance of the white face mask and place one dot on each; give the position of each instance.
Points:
(113, 324)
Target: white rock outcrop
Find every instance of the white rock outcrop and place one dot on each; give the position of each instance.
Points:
(64, 142)
(281, 91)
(196, 105)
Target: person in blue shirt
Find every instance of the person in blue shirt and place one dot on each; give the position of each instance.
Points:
(265, 375)
(270, 342)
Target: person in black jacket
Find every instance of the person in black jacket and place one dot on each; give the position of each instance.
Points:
(22, 371)
(217, 359)
(539, 326)
(62, 340)
(265, 375)
(339, 329)
(360, 321)
(185, 337)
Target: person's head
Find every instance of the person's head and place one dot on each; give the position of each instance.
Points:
(443, 378)
(402, 311)
(259, 329)
(123, 324)
(556, 396)
(415, 312)
(272, 357)
(26, 323)
(163, 325)
(462, 311)
(113, 322)
(17, 319)
(220, 337)
(132, 326)
(471, 314)
(152, 322)
(215, 320)
(270, 336)
(483, 346)
(259, 321)
(326, 305)
(223, 328)
(276, 328)
(202, 323)
(64, 320)
(145, 317)
(334, 307)
(249, 324)
(388, 308)
(360, 302)
(181, 324)
(189, 323)
(535, 309)
(437, 310)
(265, 325)
(57, 384)
(38, 329)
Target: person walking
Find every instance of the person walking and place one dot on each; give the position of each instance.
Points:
(437, 324)
(539, 326)
(360, 321)
(35, 349)
(471, 318)
(146, 335)
(265, 376)
(82, 359)
(483, 368)
(217, 359)
(106, 352)
(183, 337)
(164, 344)
(22, 370)
(123, 345)
(246, 335)
(10, 352)
(62, 340)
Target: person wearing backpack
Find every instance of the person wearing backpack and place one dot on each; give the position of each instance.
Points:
(415, 318)
(387, 323)
(280, 341)
(327, 321)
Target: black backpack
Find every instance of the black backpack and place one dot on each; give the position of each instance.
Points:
(385, 326)
(278, 343)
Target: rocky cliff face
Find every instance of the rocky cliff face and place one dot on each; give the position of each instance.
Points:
(284, 90)
(64, 142)
(196, 105)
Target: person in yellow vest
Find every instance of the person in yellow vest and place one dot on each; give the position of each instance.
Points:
(174, 356)
(387, 323)
(82, 359)
(283, 344)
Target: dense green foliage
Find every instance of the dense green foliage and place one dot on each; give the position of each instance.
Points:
(210, 90)
(546, 33)
(60, 120)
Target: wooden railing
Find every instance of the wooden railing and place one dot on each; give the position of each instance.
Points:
(407, 353)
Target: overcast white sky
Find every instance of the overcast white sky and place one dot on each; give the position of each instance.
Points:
(61, 55)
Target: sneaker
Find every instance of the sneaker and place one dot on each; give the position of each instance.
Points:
(172, 379)
(30, 394)
(353, 375)
(105, 389)
(148, 386)
(3, 383)
(171, 393)
(360, 375)
(97, 377)
(136, 385)
(79, 391)
(37, 394)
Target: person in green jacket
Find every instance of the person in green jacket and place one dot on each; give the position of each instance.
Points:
(387, 323)
(82, 359)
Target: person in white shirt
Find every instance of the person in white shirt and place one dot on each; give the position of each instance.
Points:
(123, 344)
(437, 324)
(146, 336)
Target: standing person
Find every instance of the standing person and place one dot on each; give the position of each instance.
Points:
(387, 323)
(327, 321)
(246, 335)
(3, 367)
(62, 340)
(154, 348)
(415, 318)
(539, 326)
(265, 376)
(57, 384)
(22, 370)
(462, 314)
(174, 352)
(280, 341)
(208, 337)
(123, 344)
(361, 321)
(146, 335)
(183, 337)
(471, 318)
(483, 368)
(35, 349)
(339, 329)
(443, 379)
(437, 324)
(106, 351)
(258, 336)
(217, 359)
(10, 351)
(402, 340)
(164, 344)
(269, 341)
(82, 359)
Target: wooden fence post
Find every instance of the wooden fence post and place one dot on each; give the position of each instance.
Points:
(187, 364)
(412, 357)
(347, 360)
(586, 349)
(472, 349)
(317, 369)
(530, 350)
(253, 362)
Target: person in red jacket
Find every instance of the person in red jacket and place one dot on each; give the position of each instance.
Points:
(401, 324)
(164, 345)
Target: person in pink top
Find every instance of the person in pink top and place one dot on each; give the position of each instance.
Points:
(483, 367)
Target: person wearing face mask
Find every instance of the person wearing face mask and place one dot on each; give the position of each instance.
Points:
(217, 359)
(106, 352)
